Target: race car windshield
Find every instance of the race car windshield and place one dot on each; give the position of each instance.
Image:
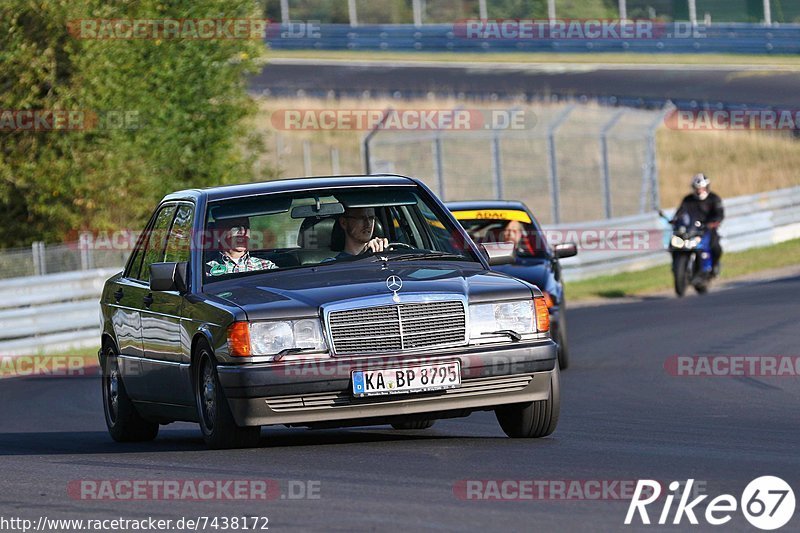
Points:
(312, 228)
(505, 226)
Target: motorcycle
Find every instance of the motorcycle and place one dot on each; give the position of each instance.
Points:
(690, 246)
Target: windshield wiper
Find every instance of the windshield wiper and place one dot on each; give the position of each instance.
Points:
(426, 255)
(291, 351)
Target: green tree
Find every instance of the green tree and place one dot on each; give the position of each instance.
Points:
(172, 114)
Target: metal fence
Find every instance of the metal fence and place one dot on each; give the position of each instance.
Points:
(40, 259)
(576, 163)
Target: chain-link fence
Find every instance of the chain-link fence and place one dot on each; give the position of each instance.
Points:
(40, 259)
(573, 163)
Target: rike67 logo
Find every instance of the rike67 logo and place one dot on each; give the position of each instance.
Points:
(767, 503)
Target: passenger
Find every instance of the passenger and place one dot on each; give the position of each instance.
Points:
(233, 255)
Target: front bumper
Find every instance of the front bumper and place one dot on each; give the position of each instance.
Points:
(320, 391)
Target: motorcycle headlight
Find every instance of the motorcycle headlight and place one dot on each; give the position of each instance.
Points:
(694, 243)
(271, 338)
(515, 316)
(677, 242)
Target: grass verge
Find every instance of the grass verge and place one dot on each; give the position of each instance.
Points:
(657, 279)
(542, 57)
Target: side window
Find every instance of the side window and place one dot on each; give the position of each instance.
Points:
(154, 250)
(180, 236)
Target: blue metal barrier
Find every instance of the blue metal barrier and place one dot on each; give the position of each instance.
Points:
(717, 38)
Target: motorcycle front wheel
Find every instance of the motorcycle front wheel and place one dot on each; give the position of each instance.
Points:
(680, 271)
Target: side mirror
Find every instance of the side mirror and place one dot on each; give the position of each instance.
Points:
(499, 253)
(168, 277)
(567, 249)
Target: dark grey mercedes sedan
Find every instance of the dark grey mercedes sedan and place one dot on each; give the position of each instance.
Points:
(320, 302)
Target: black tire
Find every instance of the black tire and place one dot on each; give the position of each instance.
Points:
(216, 420)
(563, 347)
(680, 267)
(417, 424)
(534, 419)
(123, 421)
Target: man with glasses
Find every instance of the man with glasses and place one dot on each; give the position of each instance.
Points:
(233, 256)
(358, 225)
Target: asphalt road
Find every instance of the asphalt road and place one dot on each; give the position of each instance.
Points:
(623, 418)
(686, 84)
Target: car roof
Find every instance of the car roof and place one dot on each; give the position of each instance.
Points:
(291, 184)
(486, 204)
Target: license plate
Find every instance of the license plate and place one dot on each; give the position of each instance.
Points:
(407, 379)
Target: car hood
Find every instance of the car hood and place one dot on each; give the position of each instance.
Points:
(537, 272)
(301, 292)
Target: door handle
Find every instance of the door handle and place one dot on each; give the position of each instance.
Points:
(118, 294)
(148, 300)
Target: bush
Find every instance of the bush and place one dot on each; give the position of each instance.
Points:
(183, 103)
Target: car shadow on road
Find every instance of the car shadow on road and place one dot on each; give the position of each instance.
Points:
(98, 442)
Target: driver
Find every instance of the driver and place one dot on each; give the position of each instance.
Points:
(358, 225)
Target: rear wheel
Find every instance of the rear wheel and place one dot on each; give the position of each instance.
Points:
(123, 421)
(680, 270)
(534, 419)
(417, 424)
(216, 420)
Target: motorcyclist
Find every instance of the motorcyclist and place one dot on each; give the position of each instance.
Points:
(705, 206)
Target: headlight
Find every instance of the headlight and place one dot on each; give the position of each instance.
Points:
(247, 339)
(694, 243)
(676, 242)
(514, 316)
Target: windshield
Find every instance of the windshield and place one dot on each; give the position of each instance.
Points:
(505, 225)
(324, 227)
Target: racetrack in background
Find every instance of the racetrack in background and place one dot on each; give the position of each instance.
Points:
(684, 84)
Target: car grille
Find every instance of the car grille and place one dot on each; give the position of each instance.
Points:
(398, 327)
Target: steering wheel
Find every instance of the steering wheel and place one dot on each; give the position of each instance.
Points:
(400, 245)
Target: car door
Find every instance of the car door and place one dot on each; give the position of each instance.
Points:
(129, 294)
(165, 349)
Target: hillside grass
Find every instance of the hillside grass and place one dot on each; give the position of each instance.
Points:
(784, 61)
(738, 162)
(659, 279)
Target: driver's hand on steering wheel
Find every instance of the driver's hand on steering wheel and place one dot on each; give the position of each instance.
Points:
(376, 245)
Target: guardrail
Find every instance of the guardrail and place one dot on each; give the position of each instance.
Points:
(55, 312)
(716, 38)
(59, 312)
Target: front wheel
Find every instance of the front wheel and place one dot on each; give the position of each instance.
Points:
(216, 420)
(123, 421)
(561, 340)
(534, 419)
(680, 271)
